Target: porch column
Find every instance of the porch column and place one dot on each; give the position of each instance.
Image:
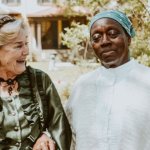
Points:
(59, 31)
(32, 27)
(33, 36)
(39, 44)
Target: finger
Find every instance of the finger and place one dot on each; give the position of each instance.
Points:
(41, 146)
(44, 146)
(37, 147)
(52, 145)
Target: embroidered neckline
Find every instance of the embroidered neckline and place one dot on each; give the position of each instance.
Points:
(10, 83)
(26, 80)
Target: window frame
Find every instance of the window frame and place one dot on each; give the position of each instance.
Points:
(45, 2)
(14, 2)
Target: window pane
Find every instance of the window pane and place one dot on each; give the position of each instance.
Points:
(44, 1)
(11, 1)
(49, 35)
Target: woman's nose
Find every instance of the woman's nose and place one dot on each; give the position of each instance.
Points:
(105, 40)
(25, 50)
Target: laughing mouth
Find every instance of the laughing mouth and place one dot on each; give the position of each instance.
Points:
(20, 61)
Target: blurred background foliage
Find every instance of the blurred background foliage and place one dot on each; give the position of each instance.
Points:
(77, 37)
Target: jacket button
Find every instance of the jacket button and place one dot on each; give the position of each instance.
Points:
(16, 128)
(17, 144)
(13, 113)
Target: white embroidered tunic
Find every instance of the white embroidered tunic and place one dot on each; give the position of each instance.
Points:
(110, 109)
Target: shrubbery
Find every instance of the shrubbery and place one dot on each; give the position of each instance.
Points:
(77, 38)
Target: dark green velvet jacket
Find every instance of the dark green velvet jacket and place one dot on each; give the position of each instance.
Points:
(42, 110)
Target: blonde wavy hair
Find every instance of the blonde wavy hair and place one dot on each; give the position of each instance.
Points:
(10, 29)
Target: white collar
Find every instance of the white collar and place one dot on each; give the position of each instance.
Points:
(112, 75)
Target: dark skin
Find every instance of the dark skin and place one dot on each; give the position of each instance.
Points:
(110, 42)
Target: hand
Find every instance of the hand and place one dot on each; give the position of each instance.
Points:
(44, 143)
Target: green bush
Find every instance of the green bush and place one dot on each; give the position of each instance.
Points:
(77, 38)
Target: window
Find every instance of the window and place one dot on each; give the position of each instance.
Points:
(49, 34)
(45, 1)
(11, 2)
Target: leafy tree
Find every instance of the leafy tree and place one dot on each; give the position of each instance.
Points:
(76, 38)
(137, 11)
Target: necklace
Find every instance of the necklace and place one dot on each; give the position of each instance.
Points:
(10, 83)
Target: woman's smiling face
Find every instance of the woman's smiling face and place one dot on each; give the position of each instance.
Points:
(110, 42)
(13, 55)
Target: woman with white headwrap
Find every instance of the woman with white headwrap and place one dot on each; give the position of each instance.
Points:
(31, 113)
(109, 107)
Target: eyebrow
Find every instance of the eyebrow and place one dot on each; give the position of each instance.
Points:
(20, 42)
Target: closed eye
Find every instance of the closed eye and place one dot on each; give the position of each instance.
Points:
(113, 33)
(96, 37)
(18, 46)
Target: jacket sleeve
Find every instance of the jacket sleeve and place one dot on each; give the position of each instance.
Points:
(58, 125)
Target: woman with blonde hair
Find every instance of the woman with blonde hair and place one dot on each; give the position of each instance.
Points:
(31, 113)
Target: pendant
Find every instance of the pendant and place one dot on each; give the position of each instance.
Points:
(10, 82)
(10, 90)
